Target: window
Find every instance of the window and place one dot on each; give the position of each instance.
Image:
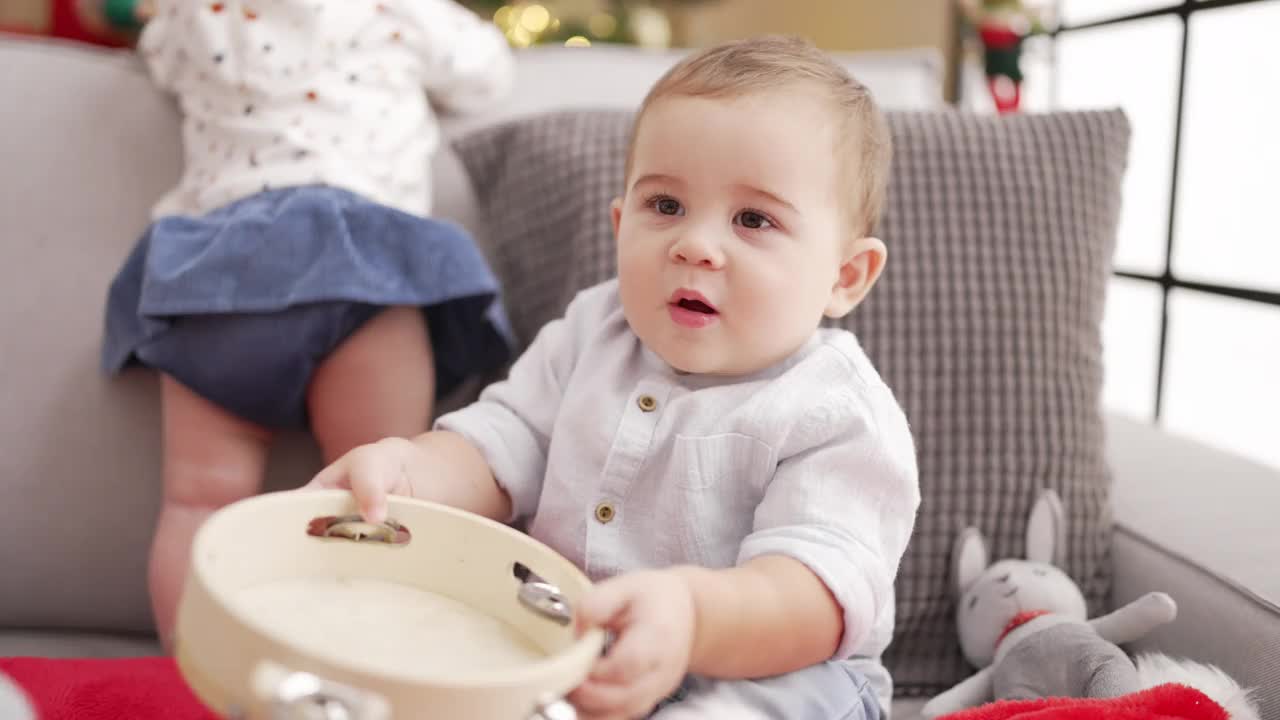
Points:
(1192, 327)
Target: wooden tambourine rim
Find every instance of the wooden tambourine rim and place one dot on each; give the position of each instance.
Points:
(209, 626)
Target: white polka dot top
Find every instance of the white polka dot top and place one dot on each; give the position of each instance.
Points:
(280, 93)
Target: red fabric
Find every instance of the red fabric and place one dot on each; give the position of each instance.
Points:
(998, 35)
(117, 689)
(64, 22)
(1163, 702)
(147, 688)
(1006, 94)
(67, 24)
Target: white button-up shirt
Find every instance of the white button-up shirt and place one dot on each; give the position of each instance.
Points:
(618, 462)
(279, 93)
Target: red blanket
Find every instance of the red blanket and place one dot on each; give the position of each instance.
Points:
(146, 688)
(119, 689)
(1163, 702)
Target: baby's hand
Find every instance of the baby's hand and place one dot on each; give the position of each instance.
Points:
(652, 615)
(371, 472)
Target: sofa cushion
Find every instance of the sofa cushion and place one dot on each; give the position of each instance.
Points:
(1177, 545)
(986, 323)
(88, 144)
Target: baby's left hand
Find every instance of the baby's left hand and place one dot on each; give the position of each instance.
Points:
(652, 616)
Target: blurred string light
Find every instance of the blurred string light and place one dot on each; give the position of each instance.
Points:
(529, 23)
(602, 25)
(525, 23)
(536, 19)
(650, 27)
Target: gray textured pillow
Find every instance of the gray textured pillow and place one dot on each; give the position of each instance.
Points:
(986, 323)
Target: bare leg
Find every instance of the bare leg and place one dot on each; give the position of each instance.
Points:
(211, 458)
(379, 383)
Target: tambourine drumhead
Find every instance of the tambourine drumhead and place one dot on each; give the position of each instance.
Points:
(434, 626)
(340, 618)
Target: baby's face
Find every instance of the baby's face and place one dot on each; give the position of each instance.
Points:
(731, 231)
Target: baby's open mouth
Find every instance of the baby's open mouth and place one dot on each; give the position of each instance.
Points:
(696, 306)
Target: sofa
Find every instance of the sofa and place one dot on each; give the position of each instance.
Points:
(86, 146)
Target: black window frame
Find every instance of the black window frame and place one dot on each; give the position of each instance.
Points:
(1166, 280)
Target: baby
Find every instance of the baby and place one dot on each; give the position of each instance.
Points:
(291, 279)
(740, 481)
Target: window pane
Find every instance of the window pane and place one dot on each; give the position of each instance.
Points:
(1131, 347)
(1087, 63)
(1226, 229)
(1221, 385)
(1037, 71)
(1078, 12)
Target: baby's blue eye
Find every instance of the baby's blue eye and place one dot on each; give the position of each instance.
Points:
(752, 220)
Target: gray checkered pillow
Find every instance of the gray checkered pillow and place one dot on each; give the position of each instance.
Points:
(986, 323)
(543, 185)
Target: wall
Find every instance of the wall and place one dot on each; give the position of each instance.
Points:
(831, 24)
(24, 14)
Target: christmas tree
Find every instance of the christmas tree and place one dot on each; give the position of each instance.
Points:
(579, 22)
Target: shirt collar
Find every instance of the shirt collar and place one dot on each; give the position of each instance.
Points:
(697, 381)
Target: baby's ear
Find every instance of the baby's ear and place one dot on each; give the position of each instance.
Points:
(859, 269)
(615, 214)
(968, 560)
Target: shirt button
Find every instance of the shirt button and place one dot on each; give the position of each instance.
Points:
(605, 513)
(647, 403)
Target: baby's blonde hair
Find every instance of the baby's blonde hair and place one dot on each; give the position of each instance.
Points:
(770, 62)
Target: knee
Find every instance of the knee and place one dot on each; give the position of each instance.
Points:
(208, 486)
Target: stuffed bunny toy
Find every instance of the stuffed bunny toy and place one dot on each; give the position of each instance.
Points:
(1024, 624)
(13, 704)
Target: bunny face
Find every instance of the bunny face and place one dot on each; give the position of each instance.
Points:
(989, 596)
(1002, 591)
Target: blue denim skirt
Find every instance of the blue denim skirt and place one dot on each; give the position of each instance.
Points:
(242, 304)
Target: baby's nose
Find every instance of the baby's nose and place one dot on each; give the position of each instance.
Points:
(692, 250)
(693, 258)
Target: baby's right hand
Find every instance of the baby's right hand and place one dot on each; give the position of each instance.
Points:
(371, 472)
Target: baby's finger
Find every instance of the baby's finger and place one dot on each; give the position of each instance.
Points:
(594, 699)
(606, 602)
(369, 486)
(600, 700)
(630, 657)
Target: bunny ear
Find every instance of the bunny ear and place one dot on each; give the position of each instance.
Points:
(968, 559)
(1046, 530)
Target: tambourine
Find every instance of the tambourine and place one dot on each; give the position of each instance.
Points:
(294, 607)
